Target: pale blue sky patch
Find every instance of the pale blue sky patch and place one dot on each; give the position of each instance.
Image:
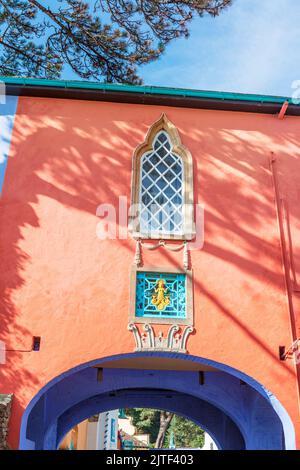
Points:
(252, 47)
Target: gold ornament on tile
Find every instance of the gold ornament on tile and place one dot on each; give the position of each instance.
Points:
(160, 299)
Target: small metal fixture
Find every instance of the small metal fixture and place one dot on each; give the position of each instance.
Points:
(36, 343)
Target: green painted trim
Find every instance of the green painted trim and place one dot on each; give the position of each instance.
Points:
(149, 90)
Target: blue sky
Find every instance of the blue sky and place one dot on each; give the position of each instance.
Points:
(252, 47)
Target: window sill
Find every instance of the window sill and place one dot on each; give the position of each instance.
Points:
(162, 236)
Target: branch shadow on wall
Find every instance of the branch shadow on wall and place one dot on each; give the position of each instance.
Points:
(71, 160)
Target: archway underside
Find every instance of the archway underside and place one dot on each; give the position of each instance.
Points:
(232, 411)
(223, 430)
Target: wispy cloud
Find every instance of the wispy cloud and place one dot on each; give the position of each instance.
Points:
(252, 48)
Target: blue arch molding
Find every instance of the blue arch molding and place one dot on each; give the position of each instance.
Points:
(252, 415)
(223, 430)
(7, 115)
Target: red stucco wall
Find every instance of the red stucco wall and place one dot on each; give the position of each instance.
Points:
(64, 284)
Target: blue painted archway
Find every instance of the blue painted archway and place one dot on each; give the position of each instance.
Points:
(236, 410)
(223, 430)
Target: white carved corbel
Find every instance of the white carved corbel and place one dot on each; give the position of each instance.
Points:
(149, 342)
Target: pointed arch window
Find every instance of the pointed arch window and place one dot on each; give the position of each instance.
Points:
(162, 185)
(161, 189)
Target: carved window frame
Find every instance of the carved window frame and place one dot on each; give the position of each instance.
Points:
(188, 320)
(188, 231)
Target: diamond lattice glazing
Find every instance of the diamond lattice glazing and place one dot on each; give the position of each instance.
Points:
(161, 189)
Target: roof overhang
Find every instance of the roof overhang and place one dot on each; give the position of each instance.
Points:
(159, 96)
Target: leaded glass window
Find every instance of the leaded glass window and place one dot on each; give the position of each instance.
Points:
(161, 192)
(160, 295)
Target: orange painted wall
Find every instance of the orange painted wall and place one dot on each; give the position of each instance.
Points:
(60, 282)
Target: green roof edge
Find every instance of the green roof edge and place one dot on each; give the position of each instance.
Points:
(144, 89)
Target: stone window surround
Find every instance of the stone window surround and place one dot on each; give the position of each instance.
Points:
(188, 320)
(164, 124)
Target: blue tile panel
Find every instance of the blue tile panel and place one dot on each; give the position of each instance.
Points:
(175, 291)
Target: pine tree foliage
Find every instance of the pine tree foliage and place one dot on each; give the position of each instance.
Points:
(186, 433)
(148, 421)
(97, 39)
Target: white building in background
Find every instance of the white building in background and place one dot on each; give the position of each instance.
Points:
(110, 430)
(209, 443)
(96, 434)
(128, 431)
(107, 431)
(102, 433)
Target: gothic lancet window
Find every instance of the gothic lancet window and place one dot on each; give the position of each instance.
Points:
(162, 186)
(161, 191)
